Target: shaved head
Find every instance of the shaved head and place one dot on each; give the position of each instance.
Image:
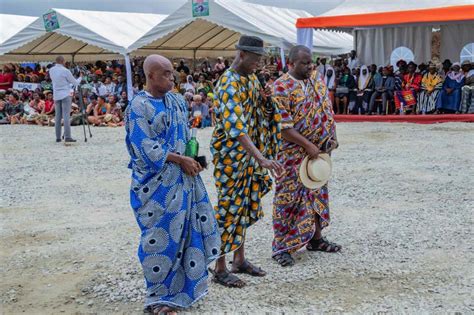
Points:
(296, 50)
(300, 62)
(159, 74)
(154, 63)
(60, 60)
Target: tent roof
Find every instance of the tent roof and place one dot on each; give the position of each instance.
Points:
(12, 24)
(368, 13)
(85, 34)
(218, 33)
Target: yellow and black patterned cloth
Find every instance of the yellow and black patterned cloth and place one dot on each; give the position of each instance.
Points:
(240, 181)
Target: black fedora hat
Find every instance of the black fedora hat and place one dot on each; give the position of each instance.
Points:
(251, 44)
(447, 62)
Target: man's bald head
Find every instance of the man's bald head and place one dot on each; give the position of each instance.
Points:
(155, 62)
(60, 60)
(300, 62)
(159, 74)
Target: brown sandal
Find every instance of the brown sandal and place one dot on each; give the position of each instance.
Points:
(159, 310)
(284, 259)
(323, 245)
(227, 279)
(248, 268)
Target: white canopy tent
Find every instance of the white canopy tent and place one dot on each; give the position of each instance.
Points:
(81, 36)
(382, 28)
(92, 35)
(10, 25)
(183, 35)
(84, 35)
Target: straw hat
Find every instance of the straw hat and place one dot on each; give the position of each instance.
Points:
(314, 174)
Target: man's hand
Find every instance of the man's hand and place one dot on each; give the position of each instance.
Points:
(312, 151)
(275, 167)
(190, 166)
(266, 93)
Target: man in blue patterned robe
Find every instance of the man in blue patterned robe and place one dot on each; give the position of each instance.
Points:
(179, 234)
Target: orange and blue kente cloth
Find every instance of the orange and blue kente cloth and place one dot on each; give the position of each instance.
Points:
(304, 106)
(240, 181)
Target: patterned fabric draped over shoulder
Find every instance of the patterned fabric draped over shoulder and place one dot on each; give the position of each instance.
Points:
(306, 107)
(240, 181)
(179, 235)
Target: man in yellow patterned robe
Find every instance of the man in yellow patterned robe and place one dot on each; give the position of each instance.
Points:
(244, 141)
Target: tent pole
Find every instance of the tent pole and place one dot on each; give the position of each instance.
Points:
(282, 56)
(128, 69)
(194, 60)
(72, 59)
(354, 35)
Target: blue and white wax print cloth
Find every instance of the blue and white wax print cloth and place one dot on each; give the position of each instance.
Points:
(179, 233)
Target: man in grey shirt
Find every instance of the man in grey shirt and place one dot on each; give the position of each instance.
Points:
(62, 80)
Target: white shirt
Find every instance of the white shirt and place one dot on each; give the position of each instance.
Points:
(353, 63)
(109, 88)
(100, 89)
(62, 80)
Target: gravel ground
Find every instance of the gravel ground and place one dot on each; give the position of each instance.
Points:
(402, 208)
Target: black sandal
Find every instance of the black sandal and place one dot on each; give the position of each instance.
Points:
(284, 259)
(159, 309)
(249, 269)
(227, 279)
(323, 245)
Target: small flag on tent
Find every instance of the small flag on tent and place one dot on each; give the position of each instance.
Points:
(50, 21)
(200, 8)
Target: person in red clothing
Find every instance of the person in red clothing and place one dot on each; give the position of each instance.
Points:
(49, 103)
(406, 99)
(47, 114)
(7, 77)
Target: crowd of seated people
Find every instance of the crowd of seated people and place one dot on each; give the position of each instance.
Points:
(37, 106)
(104, 92)
(411, 89)
(353, 89)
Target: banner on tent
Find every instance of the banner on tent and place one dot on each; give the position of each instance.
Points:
(200, 8)
(50, 21)
(25, 85)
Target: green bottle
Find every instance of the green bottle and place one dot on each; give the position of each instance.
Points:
(192, 147)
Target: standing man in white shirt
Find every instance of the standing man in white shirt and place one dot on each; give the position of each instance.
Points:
(353, 60)
(62, 80)
(322, 68)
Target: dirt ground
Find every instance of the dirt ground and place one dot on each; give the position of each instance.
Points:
(401, 206)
